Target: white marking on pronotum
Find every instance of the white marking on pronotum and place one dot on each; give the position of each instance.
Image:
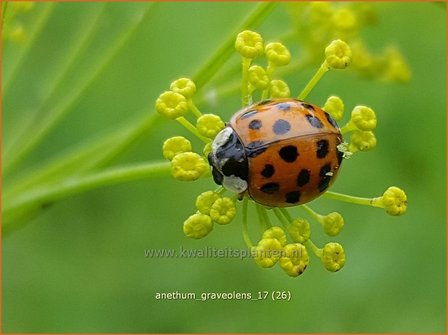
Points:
(222, 138)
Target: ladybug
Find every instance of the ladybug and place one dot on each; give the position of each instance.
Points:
(280, 152)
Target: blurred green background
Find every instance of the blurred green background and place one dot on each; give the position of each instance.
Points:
(80, 266)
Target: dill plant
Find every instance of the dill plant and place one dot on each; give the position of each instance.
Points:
(87, 166)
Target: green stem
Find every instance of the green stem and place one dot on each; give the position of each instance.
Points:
(375, 202)
(192, 129)
(312, 213)
(233, 87)
(220, 190)
(348, 127)
(263, 223)
(317, 251)
(281, 218)
(196, 112)
(286, 215)
(265, 94)
(42, 197)
(246, 236)
(317, 76)
(245, 81)
(263, 217)
(89, 155)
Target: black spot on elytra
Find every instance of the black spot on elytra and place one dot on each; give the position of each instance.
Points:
(255, 148)
(284, 106)
(303, 178)
(270, 188)
(292, 197)
(255, 124)
(281, 127)
(325, 169)
(308, 106)
(289, 153)
(331, 120)
(248, 114)
(268, 171)
(322, 148)
(264, 102)
(314, 121)
(325, 178)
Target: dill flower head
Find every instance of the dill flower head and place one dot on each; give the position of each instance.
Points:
(171, 104)
(236, 153)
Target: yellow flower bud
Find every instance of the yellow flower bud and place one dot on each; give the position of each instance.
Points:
(277, 233)
(249, 44)
(363, 118)
(279, 89)
(338, 54)
(223, 210)
(198, 226)
(277, 54)
(205, 200)
(209, 125)
(184, 86)
(207, 149)
(333, 223)
(395, 201)
(188, 166)
(267, 252)
(295, 259)
(171, 104)
(299, 230)
(258, 77)
(362, 141)
(333, 257)
(335, 107)
(175, 145)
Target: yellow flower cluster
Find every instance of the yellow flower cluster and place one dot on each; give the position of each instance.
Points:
(250, 45)
(293, 258)
(211, 207)
(175, 104)
(318, 23)
(360, 126)
(288, 246)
